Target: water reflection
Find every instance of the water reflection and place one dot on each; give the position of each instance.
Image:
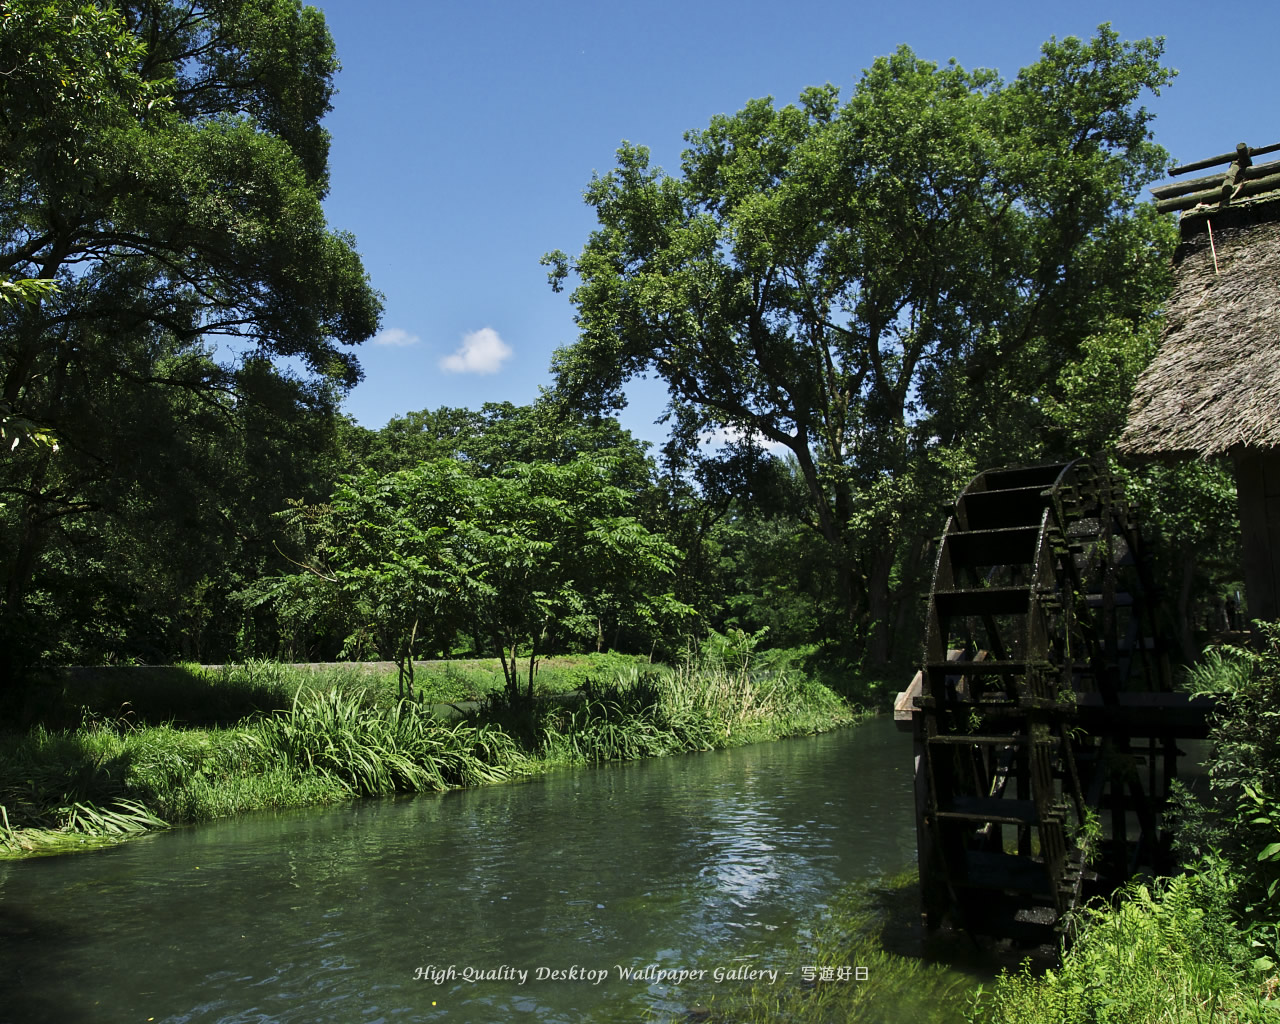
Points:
(697, 861)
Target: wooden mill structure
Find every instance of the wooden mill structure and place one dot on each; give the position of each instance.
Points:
(1044, 719)
(1213, 388)
(1045, 723)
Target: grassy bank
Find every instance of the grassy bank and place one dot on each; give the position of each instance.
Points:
(196, 695)
(1171, 952)
(280, 736)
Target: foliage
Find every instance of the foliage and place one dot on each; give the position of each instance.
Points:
(733, 650)
(16, 430)
(1242, 824)
(857, 283)
(374, 752)
(164, 167)
(1166, 953)
(525, 560)
(696, 706)
(115, 776)
(1188, 511)
(495, 436)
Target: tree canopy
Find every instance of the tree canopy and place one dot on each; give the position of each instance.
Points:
(164, 165)
(537, 555)
(885, 287)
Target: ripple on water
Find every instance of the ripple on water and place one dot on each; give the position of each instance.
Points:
(693, 862)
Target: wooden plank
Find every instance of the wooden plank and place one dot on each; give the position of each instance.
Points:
(1181, 188)
(1213, 196)
(1213, 161)
(904, 705)
(1004, 811)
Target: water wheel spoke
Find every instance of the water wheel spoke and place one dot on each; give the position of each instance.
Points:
(1038, 625)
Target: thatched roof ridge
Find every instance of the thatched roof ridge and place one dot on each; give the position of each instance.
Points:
(1215, 381)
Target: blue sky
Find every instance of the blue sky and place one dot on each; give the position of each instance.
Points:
(465, 133)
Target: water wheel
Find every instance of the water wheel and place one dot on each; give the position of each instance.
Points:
(1044, 691)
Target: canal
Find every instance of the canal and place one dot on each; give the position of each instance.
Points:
(564, 898)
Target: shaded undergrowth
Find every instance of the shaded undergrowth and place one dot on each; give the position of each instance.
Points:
(112, 778)
(219, 695)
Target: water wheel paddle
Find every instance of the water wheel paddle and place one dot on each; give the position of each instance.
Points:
(1044, 691)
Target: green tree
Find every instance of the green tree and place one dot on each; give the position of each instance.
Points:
(494, 436)
(384, 549)
(885, 287)
(164, 164)
(538, 556)
(15, 430)
(1188, 511)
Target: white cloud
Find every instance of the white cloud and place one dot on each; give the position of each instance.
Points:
(482, 351)
(395, 336)
(727, 435)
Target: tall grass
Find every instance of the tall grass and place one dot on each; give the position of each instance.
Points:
(372, 752)
(116, 776)
(110, 783)
(695, 707)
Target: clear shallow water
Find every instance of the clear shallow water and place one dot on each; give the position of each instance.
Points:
(705, 862)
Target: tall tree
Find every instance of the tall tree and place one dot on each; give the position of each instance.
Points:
(164, 164)
(884, 287)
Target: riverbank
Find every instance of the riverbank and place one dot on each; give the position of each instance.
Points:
(309, 738)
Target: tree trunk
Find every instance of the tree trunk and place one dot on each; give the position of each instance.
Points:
(878, 604)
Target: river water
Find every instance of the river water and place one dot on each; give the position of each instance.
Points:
(530, 901)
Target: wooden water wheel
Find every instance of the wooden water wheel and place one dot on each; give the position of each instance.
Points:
(1044, 693)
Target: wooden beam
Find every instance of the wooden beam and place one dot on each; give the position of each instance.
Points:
(1213, 161)
(1217, 195)
(1181, 188)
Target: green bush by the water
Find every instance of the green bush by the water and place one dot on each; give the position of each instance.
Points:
(1170, 953)
(113, 777)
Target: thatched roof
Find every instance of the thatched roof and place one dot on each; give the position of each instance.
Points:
(1215, 381)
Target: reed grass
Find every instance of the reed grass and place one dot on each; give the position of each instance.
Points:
(372, 752)
(693, 708)
(112, 777)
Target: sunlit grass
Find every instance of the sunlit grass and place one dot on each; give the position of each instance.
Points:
(689, 709)
(200, 695)
(1164, 955)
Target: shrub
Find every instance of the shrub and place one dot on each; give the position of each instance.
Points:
(1168, 952)
(1241, 825)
